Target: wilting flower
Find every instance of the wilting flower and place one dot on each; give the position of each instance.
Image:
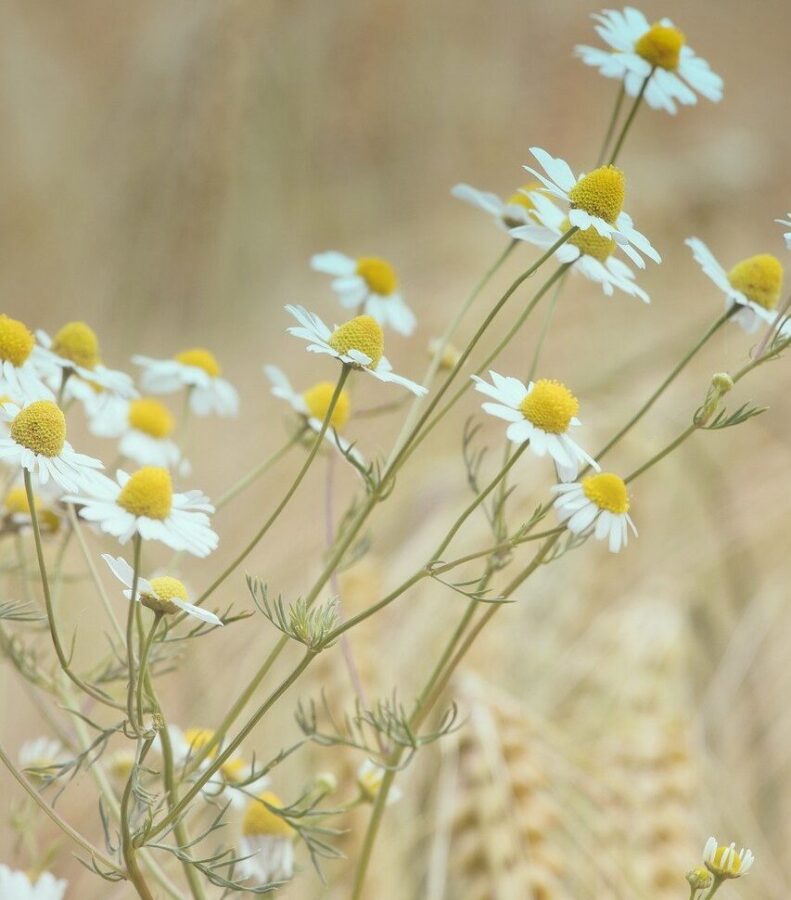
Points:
(144, 503)
(658, 52)
(267, 841)
(595, 200)
(368, 284)
(514, 211)
(589, 253)
(598, 504)
(540, 412)
(725, 862)
(163, 594)
(37, 442)
(197, 370)
(16, 885)
(358, 343)
(754, 284)
(313, 404)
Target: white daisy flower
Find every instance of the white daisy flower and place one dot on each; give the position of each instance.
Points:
(587, 251)
(754, 284)
(21, 378)
(368, 284)
(162, 594)
(312, 406)
(144, 503)
(37, 442)
(369, 780)
(595, 200)
(725, 862)
(75, 350)
(266, 843)
(41, 757)
(638, 50)
(197, 370)
(358, 342)
(787, 234)
(510, 213)
(16, 885)
(598, 504)
(541, 412)
(145, 426)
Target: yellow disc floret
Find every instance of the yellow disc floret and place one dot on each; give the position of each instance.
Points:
(759, 278)
(198, 738)
(550, 406)
(165, 589)
(16, 341)
(41, 427)
(725, 862)
(661, 46)
(378, 274)
(260, 820)
(317, 399)
(600, 193)
(607, 491)
(591, 243)
(201, 358)
(235, 770)
(520, 198)
(151, 417)
(78, 343)
(362, 333)
(149, 492)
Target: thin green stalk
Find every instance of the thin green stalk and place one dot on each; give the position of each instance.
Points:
(128, 849)
(257, 471)
(630, 118)
(611, 126)
(715, 886)
(143, 667)
(53, 630)
(130, 637)
(289, 493)
(64, 377)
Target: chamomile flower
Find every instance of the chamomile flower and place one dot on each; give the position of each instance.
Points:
(753, 284)
(312, 406)
(358, 343)
(598, 504)
(74, 350)
(20, 886)
(589, 253)
(41, 758)
(638, 50)
(144, 503)
(266, 846)
(16, 509)
(595, 200)
(105, 410)
(541, 412)
(369, 780)
(509, 213)
(37, 442)
(197, 370)
(145, 426)
(787, 234)
(21, 378)
(725, 862)
(368, 284)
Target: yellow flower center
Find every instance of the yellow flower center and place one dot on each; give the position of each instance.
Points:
(317, 399)
(378, 274)
(198, 738)
(78, 343)
(234, 770)
(362, 333)
(259, 819)
(15, 503)
(591, 243)
(519, 198)
(16, 341)
(151, 417)
(550, 406)
(149, 492)
(600, 193)
(661, 46)
(201, 358)
(759, 278)
(607, 491)
(41, 427)
(166, 588)
(726, 862)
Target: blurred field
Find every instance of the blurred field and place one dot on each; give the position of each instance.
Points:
(168, 170)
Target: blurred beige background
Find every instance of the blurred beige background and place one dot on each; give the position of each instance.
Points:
(168, 170)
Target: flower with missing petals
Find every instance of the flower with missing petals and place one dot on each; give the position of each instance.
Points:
(510, 213)
(638, 50)
(541, 412)
(195, 369)
(358, 343)
(725, 862)
(753, 284)
(599, 504)
(595, 200)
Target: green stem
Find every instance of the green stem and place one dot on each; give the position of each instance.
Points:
(630, 118)
(130, 637)
(128, 848)
(258, 470)
(64, 377)
(143, 667)
(611, 126)
(715, 886)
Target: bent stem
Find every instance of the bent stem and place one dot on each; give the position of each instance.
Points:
(128, 849)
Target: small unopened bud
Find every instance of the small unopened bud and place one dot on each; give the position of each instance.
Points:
(449, 355)
(722, 381)
(325, 783)
(699, 878)
(720, 384)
